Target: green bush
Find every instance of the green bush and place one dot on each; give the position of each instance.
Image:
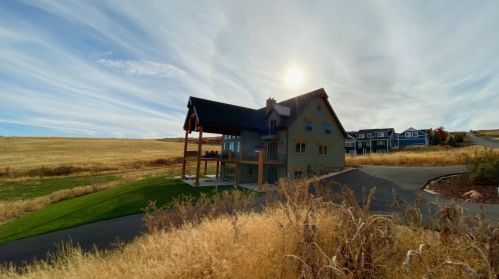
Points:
(459, 138)
(483, 167)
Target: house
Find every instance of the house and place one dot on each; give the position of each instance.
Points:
(351, 143)
(414, 137)
(298, 137)
(371, 141)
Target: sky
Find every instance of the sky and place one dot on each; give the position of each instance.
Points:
(126, 69)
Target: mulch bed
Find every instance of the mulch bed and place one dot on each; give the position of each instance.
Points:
(454, 188)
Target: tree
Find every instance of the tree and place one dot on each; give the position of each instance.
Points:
(443, 134)
(452, 142)
(436, 139)
(459, 138)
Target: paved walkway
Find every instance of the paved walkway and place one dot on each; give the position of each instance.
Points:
(485, 141)
(407, 182)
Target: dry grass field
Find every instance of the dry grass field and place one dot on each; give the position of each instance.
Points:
(304, 236)
(423, 156)
(23, 153)
(490, 133)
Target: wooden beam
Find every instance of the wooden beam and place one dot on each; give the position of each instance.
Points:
(301, 141)
(218, 168)
(205, 166)
(323, 143)
(199, 154)
(185, 154)
(260, 169)
(309, 118)
(230, 155)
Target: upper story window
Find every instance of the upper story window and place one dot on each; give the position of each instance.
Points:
(408, 134)
(301, 146)
(309, 123)
(381, 134)
(369, 136)
(349, 143)
(273, 126)
(414, 134)
(327, 128)
(360, 136)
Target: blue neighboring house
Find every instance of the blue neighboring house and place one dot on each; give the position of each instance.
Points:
(414, 137)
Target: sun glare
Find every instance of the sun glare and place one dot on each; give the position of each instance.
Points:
(294, 77)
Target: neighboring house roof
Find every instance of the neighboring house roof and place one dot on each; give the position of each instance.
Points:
(352, 133)
(227, 115)
(380, 130)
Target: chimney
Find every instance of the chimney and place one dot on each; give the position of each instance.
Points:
(270, 102)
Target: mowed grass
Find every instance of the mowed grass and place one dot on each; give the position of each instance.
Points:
(415, 157)
(116, 202)
(22, 153)
(30, 189)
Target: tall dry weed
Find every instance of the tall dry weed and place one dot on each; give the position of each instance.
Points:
(302, 233)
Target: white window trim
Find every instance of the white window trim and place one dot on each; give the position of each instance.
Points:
(408, 135)
(369, 136)
(381, 135)
(300, 148)
(361, 136)
(319, 151)
(414, 134)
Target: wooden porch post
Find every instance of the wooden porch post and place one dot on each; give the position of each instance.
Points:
(199, 154)
(230, 155)
(260, 169)
(218, 168)
(205, 166)
(185, 154)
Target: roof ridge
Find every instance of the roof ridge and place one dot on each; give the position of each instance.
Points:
(224, 103)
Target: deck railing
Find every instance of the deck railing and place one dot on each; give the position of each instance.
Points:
(245, 156)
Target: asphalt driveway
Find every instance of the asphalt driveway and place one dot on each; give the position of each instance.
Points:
(407, 182)
(485, 141)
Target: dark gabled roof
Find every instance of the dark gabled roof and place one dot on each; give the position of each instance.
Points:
(221, 114)
(381, 130)
(225, 115)
(352, 132)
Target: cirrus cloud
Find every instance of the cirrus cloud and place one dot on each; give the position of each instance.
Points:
(144, 68)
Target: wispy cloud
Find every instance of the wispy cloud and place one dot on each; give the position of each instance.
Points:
(144, 68)
(122, 67)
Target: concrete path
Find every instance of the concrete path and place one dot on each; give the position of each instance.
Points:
(485, 141)
(407, 182)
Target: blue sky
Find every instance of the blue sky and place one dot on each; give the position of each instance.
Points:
(127, 68)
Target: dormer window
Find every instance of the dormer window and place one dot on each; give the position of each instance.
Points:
(360, 136)
(414, 134)
(381, 134)
(369, 136)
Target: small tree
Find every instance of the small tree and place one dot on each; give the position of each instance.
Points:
(436, 139)
(452, 142)
(459, 138)
(443, 134)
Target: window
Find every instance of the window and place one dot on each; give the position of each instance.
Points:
(414, 134)
(380, 135)
(297, 174)
(359, 144)
(407, 134)
(381, 142)
(327, 128)
(300, 148)
(360, 136)
(349, 143)
(369, 136)
(251, 170)
(380, 151)
(273, 127)
(322, 149)
(309, 125)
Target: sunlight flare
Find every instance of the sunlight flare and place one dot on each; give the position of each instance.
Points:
(294, 77)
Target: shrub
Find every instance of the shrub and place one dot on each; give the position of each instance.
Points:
(452, 142)
(483, 167)
(459, 138)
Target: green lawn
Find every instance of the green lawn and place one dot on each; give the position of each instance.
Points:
(120, 201)
(10, 191)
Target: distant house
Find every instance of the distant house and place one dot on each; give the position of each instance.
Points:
(371, 141)
(414, 137)
(298, 137)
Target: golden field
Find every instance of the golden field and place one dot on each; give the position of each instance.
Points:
(22, 153)
(303, 237)
(422, 156)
